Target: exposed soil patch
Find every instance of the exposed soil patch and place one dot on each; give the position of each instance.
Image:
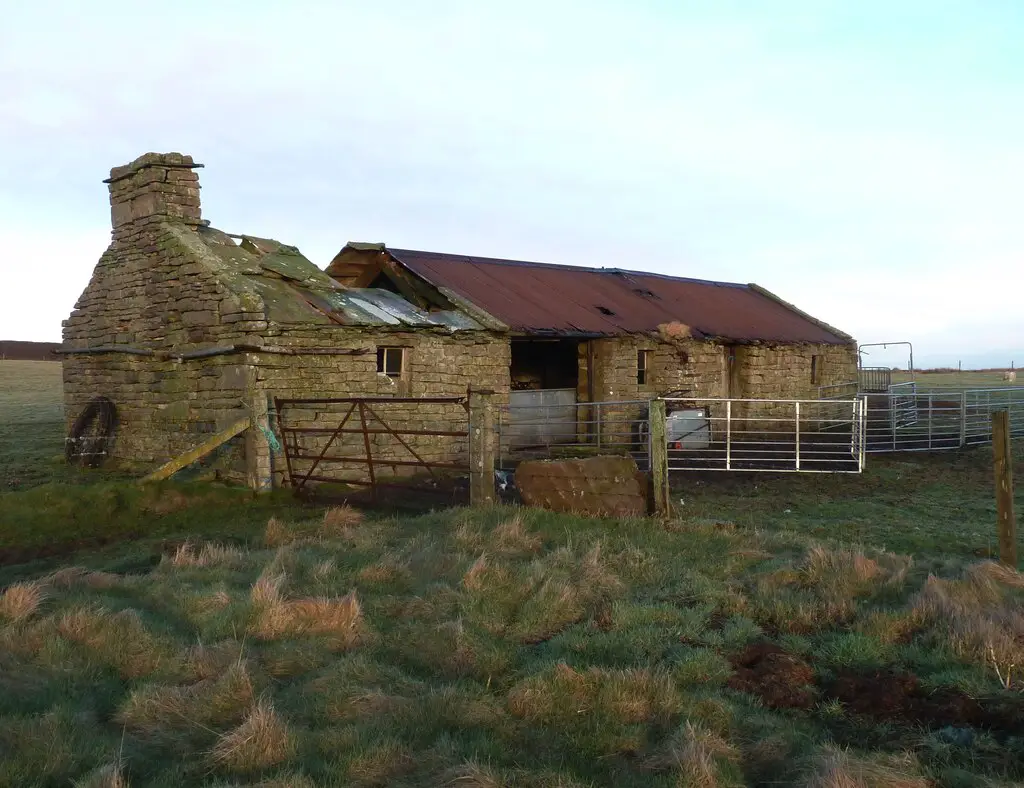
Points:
(780, 679)
(785, 681)
(895, 696)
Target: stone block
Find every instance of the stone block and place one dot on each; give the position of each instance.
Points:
(597, 486)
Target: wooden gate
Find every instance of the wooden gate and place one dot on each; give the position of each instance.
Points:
(417, 443)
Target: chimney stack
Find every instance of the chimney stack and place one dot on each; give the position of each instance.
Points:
(154, 187)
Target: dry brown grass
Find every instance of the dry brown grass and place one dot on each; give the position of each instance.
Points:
(838, 768)
(512, 537)
(261, 741)
(475, 576)
(825, 588)
(223, 701)
(340, 520)
(850, 572)
(119, 640)
(363, 705)
(339, 618)
(210, 661)
(563, 694)
(472, 775)
(978, 615)
(21, 600)
(109, 776)
(698, 757)
(277, 533)
(71, 576)
(210, 554)
(380, 764)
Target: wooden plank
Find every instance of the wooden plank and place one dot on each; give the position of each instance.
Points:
(1003, 462)
(169, 469)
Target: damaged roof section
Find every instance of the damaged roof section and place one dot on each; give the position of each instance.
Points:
(544, 299)
(277, 279)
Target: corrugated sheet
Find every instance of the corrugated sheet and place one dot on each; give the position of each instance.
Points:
(293, 290)
(541, 298)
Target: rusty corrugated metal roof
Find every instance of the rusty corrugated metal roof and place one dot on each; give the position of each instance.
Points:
(539, 298)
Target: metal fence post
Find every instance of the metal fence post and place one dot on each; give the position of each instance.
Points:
(481, 447)
(659, 457)
(798, 436)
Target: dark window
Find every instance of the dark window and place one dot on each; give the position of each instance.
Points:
(815, 370)
(391, 361)
(643, 358)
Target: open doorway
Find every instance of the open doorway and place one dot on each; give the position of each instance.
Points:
(540, 364)
(544, 376)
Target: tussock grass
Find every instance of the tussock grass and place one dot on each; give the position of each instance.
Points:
(979, 615)
(380, 763)
(73, 576)
(512, 537)
(21, 601)
(340, 520)
(261, 741)
(220, 701)
(210, 554)
(699, 758)
(119, 640)
(838, 768)
(827, 587)
(562, 694)
(339, 618)
(473, 775)
(109, 776)
(491, 647)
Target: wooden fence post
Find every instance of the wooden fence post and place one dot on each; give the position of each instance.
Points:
(659, 457)
(482, 447)
(1003, 460)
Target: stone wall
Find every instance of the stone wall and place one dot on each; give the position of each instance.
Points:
(438, 364)
(153, 291)
(700, 369)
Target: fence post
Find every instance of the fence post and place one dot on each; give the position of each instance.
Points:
(258, 459)
(1003, 461)
(481, 447)
(657, 428)
(963, 419)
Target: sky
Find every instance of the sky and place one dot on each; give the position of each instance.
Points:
(864, 160)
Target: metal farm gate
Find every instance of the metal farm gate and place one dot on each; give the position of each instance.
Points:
(418, 443)
(911, 418)
(781, 436)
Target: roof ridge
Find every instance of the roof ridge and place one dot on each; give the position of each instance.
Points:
(560, 266)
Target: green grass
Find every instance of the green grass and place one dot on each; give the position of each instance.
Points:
(922, 504)
(287, 646)
(965, 379)
(490, 647)
(31, 424)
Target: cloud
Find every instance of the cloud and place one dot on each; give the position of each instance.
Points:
(863, 163)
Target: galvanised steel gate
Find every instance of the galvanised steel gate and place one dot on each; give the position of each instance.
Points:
(910, 418)
(781, 436)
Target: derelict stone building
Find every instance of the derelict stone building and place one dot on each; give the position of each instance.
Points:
(187, 329)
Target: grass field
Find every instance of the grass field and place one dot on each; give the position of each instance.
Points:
(965, 379)
(830, 632)
(31, 422)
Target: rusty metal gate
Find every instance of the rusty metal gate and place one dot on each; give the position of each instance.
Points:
(414, 443)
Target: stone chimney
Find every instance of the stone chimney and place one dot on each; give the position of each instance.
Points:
(155, 187)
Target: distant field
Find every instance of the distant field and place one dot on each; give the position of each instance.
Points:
(31, 422)
(965, 379)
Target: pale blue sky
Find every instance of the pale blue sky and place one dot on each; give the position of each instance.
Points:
(862, 159)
